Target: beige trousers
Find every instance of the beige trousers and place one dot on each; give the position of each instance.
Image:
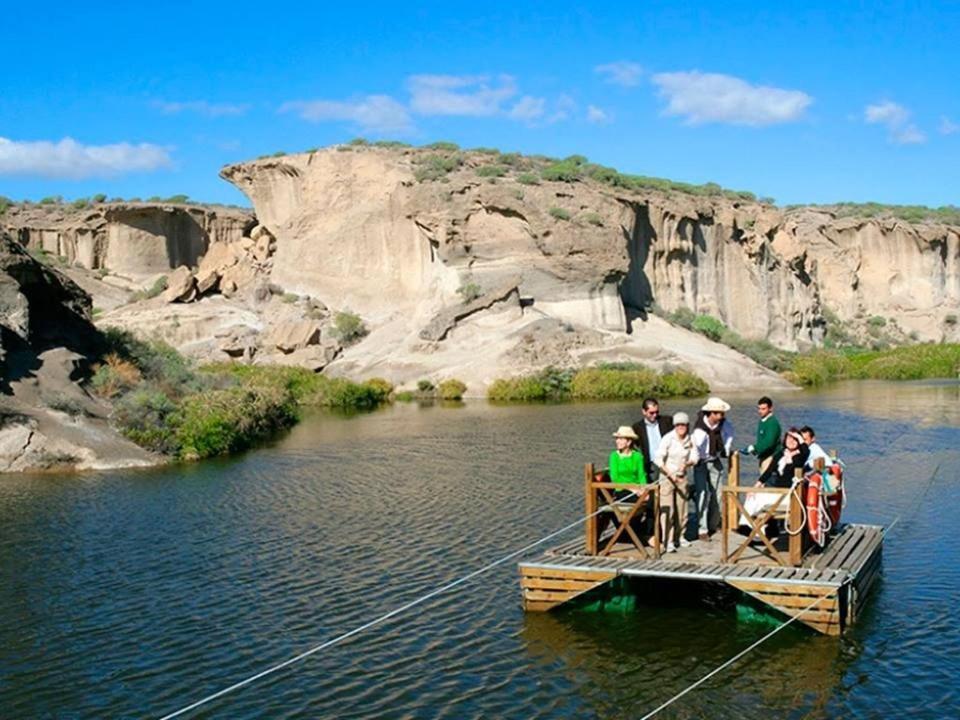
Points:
(673, 510)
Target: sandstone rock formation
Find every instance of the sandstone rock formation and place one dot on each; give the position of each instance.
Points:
(47, 420)
(355, 228)
(133, 239)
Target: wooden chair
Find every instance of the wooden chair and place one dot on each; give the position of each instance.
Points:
(788, 507)
(599, 495)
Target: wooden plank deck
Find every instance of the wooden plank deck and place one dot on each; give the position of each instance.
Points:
(834, 582)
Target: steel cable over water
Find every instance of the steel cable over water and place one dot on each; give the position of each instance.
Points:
(383, 618)
(469, 576)
(780, 627)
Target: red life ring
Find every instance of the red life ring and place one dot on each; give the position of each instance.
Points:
(814, 525)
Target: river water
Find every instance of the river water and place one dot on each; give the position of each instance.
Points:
(131, 594)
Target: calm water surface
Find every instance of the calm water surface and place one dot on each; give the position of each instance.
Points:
(131, 594)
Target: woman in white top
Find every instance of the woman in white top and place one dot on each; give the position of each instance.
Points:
(675, 454)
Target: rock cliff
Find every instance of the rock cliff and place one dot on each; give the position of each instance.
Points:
(357, 227)
(47, 420)
(132, 239)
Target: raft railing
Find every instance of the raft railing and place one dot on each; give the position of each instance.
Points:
(731, 508)
(599, 494)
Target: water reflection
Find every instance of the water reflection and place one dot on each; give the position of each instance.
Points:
(122, 594)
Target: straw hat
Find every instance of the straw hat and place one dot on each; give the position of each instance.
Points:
(625, 431)
(715, 404)
(681, 418)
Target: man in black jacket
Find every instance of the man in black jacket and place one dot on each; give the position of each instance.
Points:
(649, 431)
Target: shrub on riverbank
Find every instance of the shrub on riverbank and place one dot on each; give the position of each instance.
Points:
(615, 381)
(913, 362)
(165, 404)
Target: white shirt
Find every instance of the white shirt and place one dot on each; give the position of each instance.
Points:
(702, 440)
(674, 454)
(817, 452)
(653, 437)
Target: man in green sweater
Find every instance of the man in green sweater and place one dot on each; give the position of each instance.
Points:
(767, 444)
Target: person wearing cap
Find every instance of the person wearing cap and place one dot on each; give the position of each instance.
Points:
(713, 438)
(767, 444)
(675, 454)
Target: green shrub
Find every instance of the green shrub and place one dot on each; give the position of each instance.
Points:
(143, 417)
(381, 388)
(877, 321)
(443, 145)
(435, 167)
(684, 317)
(218, 422)
(563, 171)
(279, 153)
(5, 203)
(485, 150)
(80, 203)
(818, 368)
(359, 141)
(593, 218)
(178, 199)
(528, 179)
(348, 327)
(950, 320)
(159, 285)
(709, 326)
(681, 383)
(405, 396)
(491, 171)
(114, 376)
(469, 292)
(425, 387)
(290, 297)
(51, 200)
(601, 384)
(391, 144)
(157, 361)
(99, 198)
(559, 213)
(344, 394)
(519, 389)
(451, 389)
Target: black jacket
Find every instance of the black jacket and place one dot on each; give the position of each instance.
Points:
(774, 478)
(666, 425)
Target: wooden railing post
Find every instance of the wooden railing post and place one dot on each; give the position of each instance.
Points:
(728, 505)
(656, 514)
(590, 509)
(795, 520)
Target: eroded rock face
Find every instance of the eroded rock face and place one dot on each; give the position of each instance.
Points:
(356, 229)
(134, 239)
(47, 419)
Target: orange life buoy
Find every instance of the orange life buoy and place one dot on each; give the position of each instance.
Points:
(814, 523)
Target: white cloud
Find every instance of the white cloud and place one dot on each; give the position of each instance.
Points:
(72, 160)
(379, 113)
(711, 97)
(471, 95)
(596, 115)
(621, 72)
(527, 108)
(201, 107)
(896, 118)
(947, 126)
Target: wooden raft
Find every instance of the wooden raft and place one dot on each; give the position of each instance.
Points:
(827, 590)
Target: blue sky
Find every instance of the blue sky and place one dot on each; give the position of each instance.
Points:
(802, 101)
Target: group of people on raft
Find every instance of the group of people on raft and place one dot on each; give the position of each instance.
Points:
(660, 449)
